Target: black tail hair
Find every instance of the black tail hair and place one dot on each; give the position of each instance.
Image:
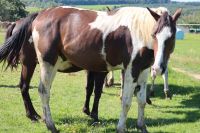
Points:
(9, 31)
(10, 50)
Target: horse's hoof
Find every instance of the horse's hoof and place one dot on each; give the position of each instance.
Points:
(168, 95)
(86, 111)
(51, 127)
(94, 116)
(142, 128)
(120, 130)
(54, 130)
(34, 117)
(148, 101)
(95, 123)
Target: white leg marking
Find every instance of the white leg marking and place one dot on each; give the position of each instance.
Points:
(128, 91)
(141, 98)
(153, 77)
(165, 79)
(47, 75)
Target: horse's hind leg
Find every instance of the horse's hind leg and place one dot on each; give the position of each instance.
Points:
(26, 74)
(99, 81)
(47, 75)
(89, 89)
(28, 60)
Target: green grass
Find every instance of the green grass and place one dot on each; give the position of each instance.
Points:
(186, 55)
(2, 35)
(33, 9)
(179, 115)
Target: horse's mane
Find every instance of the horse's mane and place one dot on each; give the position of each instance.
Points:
(143, 23)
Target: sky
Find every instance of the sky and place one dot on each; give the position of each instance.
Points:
(187, 0)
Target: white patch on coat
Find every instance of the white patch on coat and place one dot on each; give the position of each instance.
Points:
(161, 37)
(36, 37)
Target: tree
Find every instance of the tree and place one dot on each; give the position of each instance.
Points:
(11, 10)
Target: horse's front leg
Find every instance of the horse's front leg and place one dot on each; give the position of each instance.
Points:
(166, 87)
(122, 83)
(141, 99)
(99, 81)
(128, 91)
(152, 93)
(47, 75)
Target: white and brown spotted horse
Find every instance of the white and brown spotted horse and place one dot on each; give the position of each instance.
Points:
(28, 60)
(128, 38)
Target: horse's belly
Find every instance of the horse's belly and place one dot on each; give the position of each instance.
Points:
(92, 63)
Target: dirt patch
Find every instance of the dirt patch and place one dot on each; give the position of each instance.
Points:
(193, 75)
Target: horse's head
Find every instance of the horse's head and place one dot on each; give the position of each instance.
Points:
(163, 39)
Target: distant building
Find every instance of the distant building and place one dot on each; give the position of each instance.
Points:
(179, 34)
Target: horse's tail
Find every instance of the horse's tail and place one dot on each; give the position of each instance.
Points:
(10, 50)
(9, 30)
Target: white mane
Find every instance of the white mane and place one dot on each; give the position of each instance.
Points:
(137, 19)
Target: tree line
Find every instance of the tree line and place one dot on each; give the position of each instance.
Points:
(10, 10)
(91, 2)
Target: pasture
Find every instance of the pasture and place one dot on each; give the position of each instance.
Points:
(181, 114)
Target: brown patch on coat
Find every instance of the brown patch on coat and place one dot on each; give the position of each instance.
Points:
(118, 46)
(143, 60)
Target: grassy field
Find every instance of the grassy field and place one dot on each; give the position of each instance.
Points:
(186, 55)
(179, 115)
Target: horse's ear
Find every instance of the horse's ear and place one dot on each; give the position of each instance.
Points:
(177, 14)
(154, 14)
(108, 9)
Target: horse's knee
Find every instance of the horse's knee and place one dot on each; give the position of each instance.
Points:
(24, 88)
(126, 101)
(141, 99)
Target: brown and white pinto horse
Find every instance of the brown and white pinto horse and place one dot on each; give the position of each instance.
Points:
(99, 41)
(28, 61)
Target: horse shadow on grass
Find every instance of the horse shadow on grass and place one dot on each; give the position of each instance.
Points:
(190, 116)
(110, 124)
(15, 86)
(174, 90)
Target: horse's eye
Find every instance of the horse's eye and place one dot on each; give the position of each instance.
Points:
(153, 36)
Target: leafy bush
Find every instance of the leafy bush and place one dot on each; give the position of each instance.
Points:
(11, 10)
